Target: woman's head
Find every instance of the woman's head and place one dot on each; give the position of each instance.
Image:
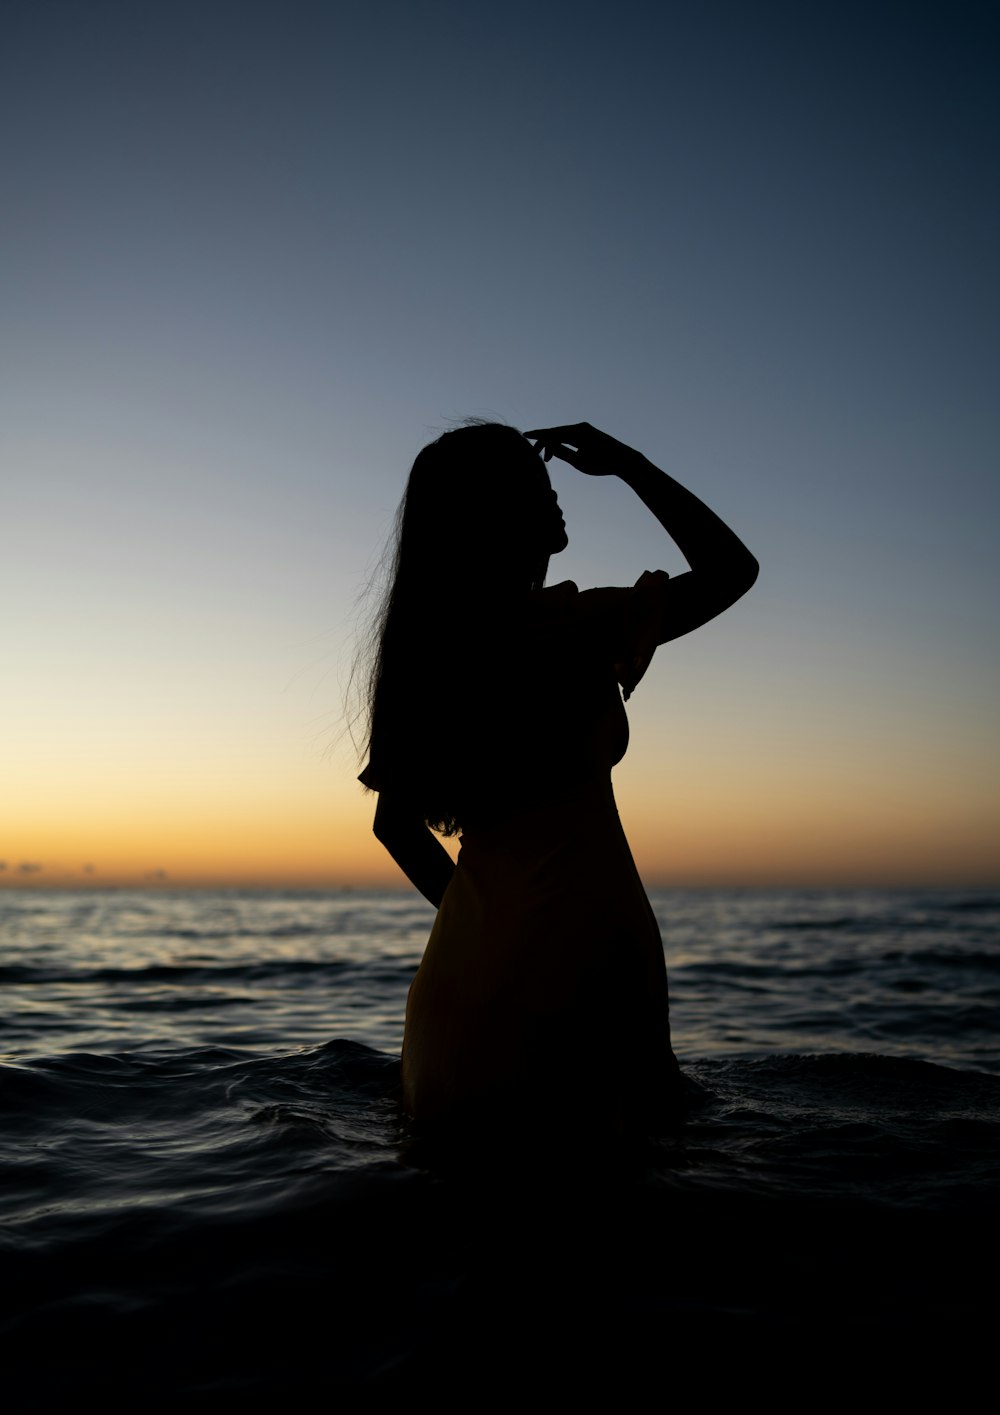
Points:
(474, 533)
(479, 505)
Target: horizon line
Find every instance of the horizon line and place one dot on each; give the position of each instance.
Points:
(34, 885)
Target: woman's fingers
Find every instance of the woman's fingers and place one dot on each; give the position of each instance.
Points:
(584, 447)
(545, 441)
(564, 433)
(550, 450)
(566, 455)
(573, 433)
(568, 443)
(543, 446)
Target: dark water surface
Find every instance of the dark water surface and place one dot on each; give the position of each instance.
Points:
(209, 1196)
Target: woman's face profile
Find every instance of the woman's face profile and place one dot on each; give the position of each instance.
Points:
(551, 527)
(556, 528)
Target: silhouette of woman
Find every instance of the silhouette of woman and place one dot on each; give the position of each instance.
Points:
(494, 711)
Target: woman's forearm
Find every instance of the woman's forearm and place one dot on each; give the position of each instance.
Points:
(417, 852)
(706, 542)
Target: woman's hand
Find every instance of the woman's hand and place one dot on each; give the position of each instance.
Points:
(585, 448)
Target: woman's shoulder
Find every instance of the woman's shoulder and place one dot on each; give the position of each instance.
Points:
(568, 599)
(618, 623)
(603, 604)
(565, 592)
(553, 608)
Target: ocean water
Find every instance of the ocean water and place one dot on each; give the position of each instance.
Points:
(208, 1194)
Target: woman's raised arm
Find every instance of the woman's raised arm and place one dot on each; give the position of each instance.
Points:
(722, 569)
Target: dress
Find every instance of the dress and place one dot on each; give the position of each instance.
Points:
(542, 994)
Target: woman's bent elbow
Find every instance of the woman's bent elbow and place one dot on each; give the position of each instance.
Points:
(743, 577)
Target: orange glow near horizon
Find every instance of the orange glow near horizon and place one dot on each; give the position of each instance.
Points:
(705, 800)
(720, 834)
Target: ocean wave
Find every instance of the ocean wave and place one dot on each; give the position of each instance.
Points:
(956, 957)
(161, 1203)
(295, 969)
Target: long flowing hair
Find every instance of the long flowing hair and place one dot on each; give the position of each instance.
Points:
(441, 656)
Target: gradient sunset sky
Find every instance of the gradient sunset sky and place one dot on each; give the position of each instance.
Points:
(256, 254)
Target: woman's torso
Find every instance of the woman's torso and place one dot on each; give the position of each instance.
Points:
(545, 963)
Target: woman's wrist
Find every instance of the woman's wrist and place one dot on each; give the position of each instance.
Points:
(637, 471)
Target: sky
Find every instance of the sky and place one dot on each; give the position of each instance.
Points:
(254, 255)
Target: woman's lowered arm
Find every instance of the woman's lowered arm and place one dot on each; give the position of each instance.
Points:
(417, 852)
